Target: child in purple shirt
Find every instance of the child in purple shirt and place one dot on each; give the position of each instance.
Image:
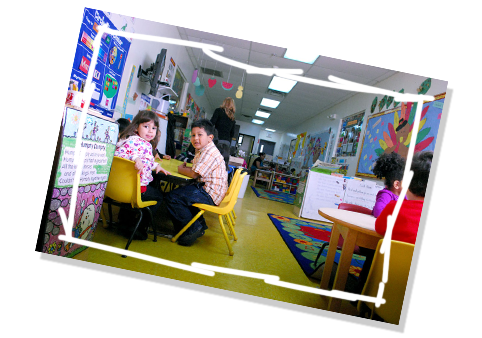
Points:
(389, 166)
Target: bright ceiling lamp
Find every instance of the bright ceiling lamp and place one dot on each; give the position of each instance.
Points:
(269, 103)
(262, 114)
(271, 130)
(282, 85)
(301, 55)
(257, 121)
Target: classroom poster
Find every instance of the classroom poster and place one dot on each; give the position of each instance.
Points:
(391, 131)
(99, 137)
(315, 148)
(110, 62)
(347, 143)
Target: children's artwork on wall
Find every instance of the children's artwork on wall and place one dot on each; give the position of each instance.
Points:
(99, 139)
(391, 131)
(300, 144)
(315, 148)
(347, 143)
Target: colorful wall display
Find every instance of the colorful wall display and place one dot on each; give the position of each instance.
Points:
(110, 62)
(99, 137)
(347, 143)
(391, 131)
(315, 148)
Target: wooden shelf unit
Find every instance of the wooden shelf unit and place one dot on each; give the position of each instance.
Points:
(284, 183)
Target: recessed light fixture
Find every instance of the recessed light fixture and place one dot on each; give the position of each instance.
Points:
(301, 56)
(282, 85)
(262, 114)
(269, 103)
(257, 121)
(271, 130)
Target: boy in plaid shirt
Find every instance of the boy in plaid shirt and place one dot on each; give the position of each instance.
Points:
(209, 169)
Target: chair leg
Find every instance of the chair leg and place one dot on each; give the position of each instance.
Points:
(133, 233)
(151, 220)
(104, 220)
(233, 222)
(231, 253)
(174, 239)
(110, 213)
(234, 214)
(231, 228)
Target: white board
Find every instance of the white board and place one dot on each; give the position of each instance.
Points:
(361, 193)
(322, 191)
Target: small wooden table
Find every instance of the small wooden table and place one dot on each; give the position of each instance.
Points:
(175, 179)
(266, 172)
(356, 229)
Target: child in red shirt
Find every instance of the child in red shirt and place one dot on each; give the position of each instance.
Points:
(408, 219)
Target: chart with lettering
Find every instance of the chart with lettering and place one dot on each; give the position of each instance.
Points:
(99, 137)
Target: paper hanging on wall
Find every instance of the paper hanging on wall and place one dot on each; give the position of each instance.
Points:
(425, 86)
(199, 90)
(197, 82)
(194, 75)
(211, 82)
(239, 93)
(374, 104)
(395, 103)
(226, 85)
(382, 103)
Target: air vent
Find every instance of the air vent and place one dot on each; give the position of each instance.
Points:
(276, 93)
(246, 115)
(211, 72)
(265, 110)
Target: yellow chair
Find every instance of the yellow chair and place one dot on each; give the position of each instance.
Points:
(234, 181)
(394, 293)
(222, 209)
(123, 188)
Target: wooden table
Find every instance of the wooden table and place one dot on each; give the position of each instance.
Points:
(356, 229)
(266, 172)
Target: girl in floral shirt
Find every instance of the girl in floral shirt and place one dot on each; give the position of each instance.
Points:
(136, 143)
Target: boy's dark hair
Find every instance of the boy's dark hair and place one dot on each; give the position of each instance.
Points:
(390, 166)
(261, 154)
(204, 124)
(421, 165)
(123, 123)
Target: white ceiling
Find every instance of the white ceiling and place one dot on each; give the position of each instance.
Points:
(260, 38)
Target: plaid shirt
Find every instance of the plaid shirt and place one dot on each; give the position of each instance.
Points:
(209, 163)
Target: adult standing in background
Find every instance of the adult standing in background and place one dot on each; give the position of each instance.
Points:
(224, 121)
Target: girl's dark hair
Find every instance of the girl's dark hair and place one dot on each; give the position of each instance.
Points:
(261, 154)
(421, 165)
(142, 116)
(389, 166)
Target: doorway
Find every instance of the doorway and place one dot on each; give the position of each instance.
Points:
(245, 143)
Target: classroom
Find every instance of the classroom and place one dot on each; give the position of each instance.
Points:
(319, 146)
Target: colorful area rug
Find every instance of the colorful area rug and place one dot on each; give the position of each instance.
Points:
(304, 240)
(274, 195)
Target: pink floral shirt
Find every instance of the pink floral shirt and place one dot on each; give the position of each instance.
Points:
(136, 147)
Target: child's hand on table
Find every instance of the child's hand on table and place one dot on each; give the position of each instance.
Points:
(162, 170)
(166, 157)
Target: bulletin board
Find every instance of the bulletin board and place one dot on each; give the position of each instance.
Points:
(315, 148)
(381, 135)
(349, 138)
(99, 137)
(110, 62)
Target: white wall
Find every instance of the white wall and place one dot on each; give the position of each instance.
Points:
(144, 53)
(361, 102)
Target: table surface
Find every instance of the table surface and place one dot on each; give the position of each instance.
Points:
(350, 219)
(171, 166)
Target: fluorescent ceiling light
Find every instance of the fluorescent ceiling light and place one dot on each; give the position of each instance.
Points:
(269, 103)
(271, 130)
(301, 56)
(257, 121)
(262, 114)
(282, 85)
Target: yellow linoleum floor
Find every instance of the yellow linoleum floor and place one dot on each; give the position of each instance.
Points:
(259, 248)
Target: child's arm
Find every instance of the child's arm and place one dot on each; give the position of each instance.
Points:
(161, 169)
(381, 222)
(183, 169)
(383, 199)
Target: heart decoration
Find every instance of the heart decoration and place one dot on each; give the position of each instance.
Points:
(211, 82)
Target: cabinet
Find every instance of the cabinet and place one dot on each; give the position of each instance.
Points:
(284, 183)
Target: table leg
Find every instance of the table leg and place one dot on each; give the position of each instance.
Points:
(343, 268)
(330, 257)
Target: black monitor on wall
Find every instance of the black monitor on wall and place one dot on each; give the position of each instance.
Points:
(158, 68)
